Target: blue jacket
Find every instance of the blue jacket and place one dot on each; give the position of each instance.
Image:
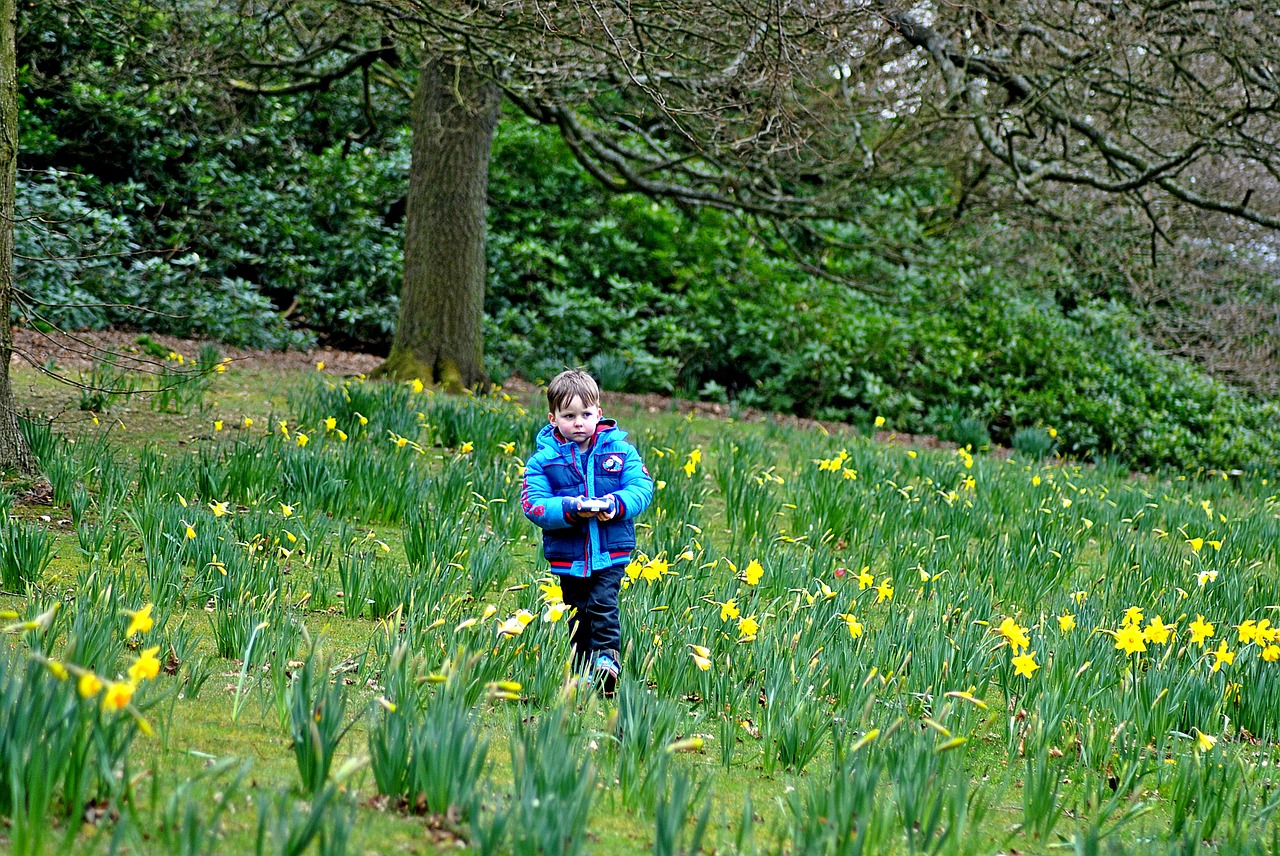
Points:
(610, 465)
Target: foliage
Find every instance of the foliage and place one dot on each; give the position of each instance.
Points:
(277, 229)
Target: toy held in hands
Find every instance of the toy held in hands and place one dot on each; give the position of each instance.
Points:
(604, 507)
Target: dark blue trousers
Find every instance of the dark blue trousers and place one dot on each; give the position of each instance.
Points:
(594, 622)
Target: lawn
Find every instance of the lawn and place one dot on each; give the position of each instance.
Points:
(279, 610)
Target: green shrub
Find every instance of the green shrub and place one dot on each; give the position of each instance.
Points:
(1035, 443)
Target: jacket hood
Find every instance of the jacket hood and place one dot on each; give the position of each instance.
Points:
(607, 431)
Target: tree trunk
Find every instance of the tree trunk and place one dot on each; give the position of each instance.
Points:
(439, 336)
(14, 452)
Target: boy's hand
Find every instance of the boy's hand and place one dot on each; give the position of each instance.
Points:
(611, 510)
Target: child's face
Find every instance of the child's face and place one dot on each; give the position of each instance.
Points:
(576, 421)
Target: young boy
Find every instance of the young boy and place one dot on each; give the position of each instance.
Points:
(583, 486)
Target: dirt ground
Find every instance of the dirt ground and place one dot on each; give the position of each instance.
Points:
(78, 350)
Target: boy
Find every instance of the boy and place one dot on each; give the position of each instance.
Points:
(583, 486)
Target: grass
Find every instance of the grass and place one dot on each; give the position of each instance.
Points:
(868, 614)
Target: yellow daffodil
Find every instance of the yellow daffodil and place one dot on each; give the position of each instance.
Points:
(1201, 630)
(701, 657)
(1222, 656)
(146, 667)
(865, 579)
(1132, 615)
(320, 366)
(89, 685)
(248, 423)
(302, 439)
(884, 591)
(748, 628)
(140, 621)
(507, 448)
(217, 425)
(330, 423)
(854, 625)
(1025, 664)
(466, 448)
(729, 610)
(752, 573)
(554, 612)
(1157, 631)
(1066, 622)
(1129, 639)
(1246, 631)
(1015, 634)
(219, 508)
(286, 510)
(1204, 742)
(1271, 653)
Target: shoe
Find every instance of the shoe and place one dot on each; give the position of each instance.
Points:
(606, 672)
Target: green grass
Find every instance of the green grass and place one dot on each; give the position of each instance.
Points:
(943, 748)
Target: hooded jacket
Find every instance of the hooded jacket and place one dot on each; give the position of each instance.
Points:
(557, 470)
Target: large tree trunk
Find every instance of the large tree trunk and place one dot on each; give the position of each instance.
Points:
(439, 337)
(14, 452)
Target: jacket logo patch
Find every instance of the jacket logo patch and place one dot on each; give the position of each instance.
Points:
(612, 464)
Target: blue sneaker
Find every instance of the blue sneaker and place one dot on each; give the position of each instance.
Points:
(605, 670)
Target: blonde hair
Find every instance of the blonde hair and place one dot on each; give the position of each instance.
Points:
(567, 385)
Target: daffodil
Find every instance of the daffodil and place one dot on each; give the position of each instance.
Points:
(1222, 656)
(117, 696)
(1271, 653)
(1066, 622)
(884, 591)
(1015, 634)
(554, 612)
(1246, 631)
(140, 621)
(286, 510)
(748, 628)
(1132, 615)
(1157, 631)
(752, 573)
(330, 423)
(865, 579)
(146, 667)
(1204, 742)
(219, 508)
(729, 610)
(1025, 664)
(1201, 630)
(854, 625)
(1129, 639)
(89, 685)
(701, 657)
(654, 570)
